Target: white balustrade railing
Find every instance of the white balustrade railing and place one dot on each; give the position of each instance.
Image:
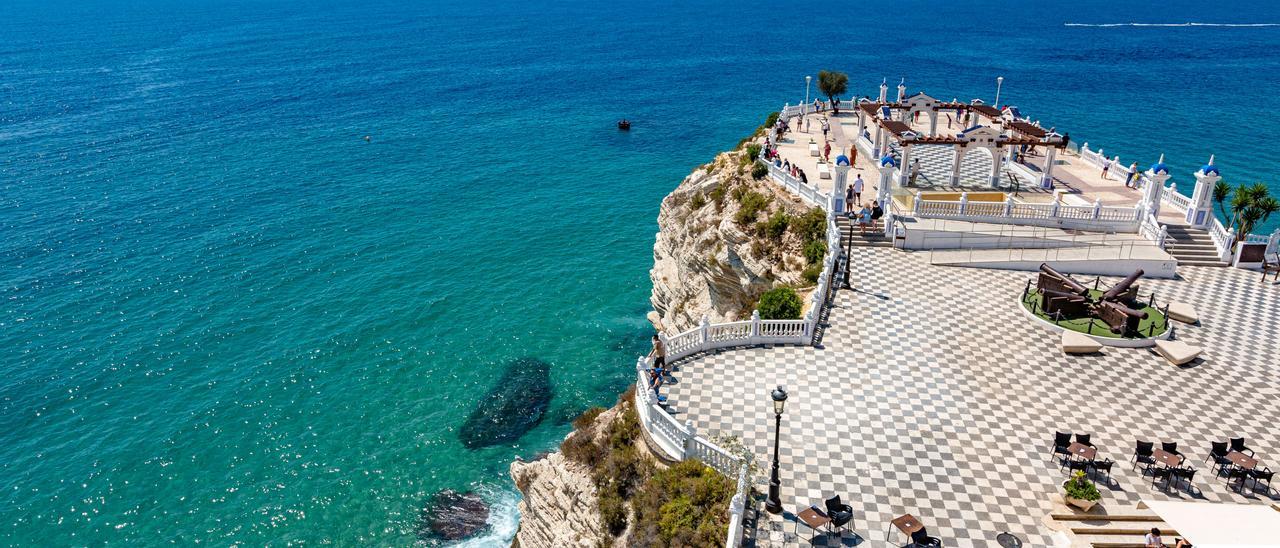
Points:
(1153, 231)
(1172, 197)
(808, 193)
(1222, 239)
(1096, 216)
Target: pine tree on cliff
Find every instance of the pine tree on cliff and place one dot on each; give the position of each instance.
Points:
(832, 84)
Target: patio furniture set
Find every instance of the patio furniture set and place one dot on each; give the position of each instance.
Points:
(836, 516)
(1230, 459)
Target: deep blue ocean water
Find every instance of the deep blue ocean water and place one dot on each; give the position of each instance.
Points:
(226, 317)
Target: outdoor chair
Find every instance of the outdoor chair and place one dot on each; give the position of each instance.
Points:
(1237, 444)
(1142, 454)
(1101, 466)
(1235, 472)
(1078, 464)
(840, 514)
(1083, 439)
(921, 539)
(1060, 442)
(1181, 473)
(1270, 264)
(1217, 454)
(1171, 447)
(1261, 475)
(1157, 473)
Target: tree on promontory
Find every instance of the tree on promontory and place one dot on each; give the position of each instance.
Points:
(831, 84)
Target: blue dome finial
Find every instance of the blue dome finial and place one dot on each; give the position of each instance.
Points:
(887, 161)
(1209, 168)
(1159, 166)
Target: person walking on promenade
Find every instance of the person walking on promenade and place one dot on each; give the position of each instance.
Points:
(825, 128)
(915, 172)
(1132, 180)
(826, 152)
(857, 190)
(806, 124)
(1106, 166)
(853, 155)
(849, 199)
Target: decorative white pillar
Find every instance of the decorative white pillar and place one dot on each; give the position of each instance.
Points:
(1050, 158)
(933, 123)
(902, 90)
(955, 165)
(995, 168)
(885, 186)
(878, 150)
(884, 90)
(904, 174)
(1200, 210)
(839, 184)
(1159, 173)
(862, 125)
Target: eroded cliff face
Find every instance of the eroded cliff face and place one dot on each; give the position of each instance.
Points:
(559, 506)
(709, 260)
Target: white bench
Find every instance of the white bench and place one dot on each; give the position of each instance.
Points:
(1078, 343)
(813, 149)
(1177, 352)
(824, 171)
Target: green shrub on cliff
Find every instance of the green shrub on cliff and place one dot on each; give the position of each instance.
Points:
(772, 119)
(753, 151)
(759, 170)
(780, 303)
(683, 505)
(815, 251)
(812, 226)
(775, 226)
(811, 273)
(751, 203)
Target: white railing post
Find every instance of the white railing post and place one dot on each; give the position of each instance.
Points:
(755, 326)
(1053, 212)
(1097, 208)
(687, 443)
(1164, 233)
(964, 201)
(1273, 243)
(705, 329)
(1008, 206)
(1225, 252)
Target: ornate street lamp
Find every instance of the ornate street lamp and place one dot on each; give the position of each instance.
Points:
(999, 82)
(779, 396)
(848, 256)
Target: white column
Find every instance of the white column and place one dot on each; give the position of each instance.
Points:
(933, 123)
(838, 188)
(878, 151)
(885, 186)
(955, 165)
(862, 124)
(902, 91)
(884, 91)
(1200, 210)
(1050, 158)
(1153, 190)
(904, 167)
(995, 168)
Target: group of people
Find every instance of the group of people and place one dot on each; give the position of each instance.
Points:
(870, 212)
(791, 169)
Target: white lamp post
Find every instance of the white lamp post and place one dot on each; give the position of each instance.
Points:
(999, 82)
(805, 109)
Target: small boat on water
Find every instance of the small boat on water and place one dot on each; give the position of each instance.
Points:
(624, 125)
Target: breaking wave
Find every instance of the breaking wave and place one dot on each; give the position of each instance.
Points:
(504, 519)
(1171, 24)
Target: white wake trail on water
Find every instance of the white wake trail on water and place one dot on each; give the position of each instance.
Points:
(1102, 25)
(504, 519)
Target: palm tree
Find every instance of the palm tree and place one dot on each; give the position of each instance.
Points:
(831, 84)
(1222, 191)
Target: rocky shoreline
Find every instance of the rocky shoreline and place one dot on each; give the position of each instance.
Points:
(714, 255)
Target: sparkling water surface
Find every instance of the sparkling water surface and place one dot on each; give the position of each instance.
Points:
(226, 317)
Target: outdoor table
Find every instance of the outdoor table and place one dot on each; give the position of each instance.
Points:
(1243, 462)
(813, 518)
(1170, 461)
(906, 523)
(1083, 451)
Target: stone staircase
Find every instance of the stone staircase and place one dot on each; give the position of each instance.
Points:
(1124, 530)
(849, 229)
(1191, 246)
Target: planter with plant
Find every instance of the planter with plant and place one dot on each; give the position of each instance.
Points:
(1080, 492)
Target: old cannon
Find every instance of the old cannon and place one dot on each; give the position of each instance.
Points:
(1064, 298)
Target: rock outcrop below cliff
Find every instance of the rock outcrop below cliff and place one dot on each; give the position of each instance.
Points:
(559, 506)
(711, 258)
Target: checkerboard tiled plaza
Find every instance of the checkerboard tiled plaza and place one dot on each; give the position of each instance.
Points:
(931, 394)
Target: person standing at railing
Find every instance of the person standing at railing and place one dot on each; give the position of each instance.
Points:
(856, 196)
(1132, 180)
(659, 354)
(915, 172)
(1106, 166)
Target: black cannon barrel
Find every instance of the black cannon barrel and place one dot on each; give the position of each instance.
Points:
(1125, 310)
(1053, 293)
(1066, 280)
(1123, 286)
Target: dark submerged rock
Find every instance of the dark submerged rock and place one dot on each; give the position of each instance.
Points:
(451, 515)
(514, 406)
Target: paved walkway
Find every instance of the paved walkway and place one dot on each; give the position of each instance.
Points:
(933, 395)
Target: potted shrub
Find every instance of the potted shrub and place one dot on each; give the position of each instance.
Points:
(1080, 492)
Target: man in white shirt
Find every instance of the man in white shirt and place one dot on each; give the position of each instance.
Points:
(857, 189)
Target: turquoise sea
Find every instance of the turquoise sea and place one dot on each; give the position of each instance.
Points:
(226, 317)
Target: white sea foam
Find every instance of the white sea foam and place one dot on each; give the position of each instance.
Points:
(1171, 24)
(504, 519)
